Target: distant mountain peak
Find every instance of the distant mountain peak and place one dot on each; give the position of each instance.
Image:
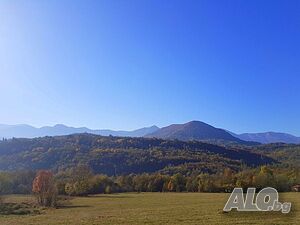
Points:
(60, 126)
(193, 130)
(196, 122)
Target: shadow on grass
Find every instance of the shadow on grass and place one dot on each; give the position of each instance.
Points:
(73, 206)
(109, 196)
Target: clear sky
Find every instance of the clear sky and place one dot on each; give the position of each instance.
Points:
(124, 64)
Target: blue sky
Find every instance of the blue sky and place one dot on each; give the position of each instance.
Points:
(128, 64)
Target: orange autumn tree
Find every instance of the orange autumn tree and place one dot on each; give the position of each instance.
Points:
(44, 188)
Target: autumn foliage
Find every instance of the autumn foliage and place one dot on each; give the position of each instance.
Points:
(44, 188)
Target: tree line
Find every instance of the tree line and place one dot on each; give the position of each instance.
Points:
(81, 181)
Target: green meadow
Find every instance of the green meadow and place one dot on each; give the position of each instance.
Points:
(150, 208)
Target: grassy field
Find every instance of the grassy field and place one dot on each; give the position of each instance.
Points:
(152, 208)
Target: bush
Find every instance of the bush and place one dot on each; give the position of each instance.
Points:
(16, 209)
(44, 188)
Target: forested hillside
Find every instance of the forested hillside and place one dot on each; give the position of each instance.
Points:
(123, 155)
(288, 154)
(85, 164)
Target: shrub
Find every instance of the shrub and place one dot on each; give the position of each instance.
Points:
(44, 188)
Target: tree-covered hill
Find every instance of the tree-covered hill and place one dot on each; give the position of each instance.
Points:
(122, 155)
(288, 154)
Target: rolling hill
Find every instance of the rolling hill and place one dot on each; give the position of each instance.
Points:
(121, 155)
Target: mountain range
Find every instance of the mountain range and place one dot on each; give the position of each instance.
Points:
(268, 137)
(27, 131)
(194, 130)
